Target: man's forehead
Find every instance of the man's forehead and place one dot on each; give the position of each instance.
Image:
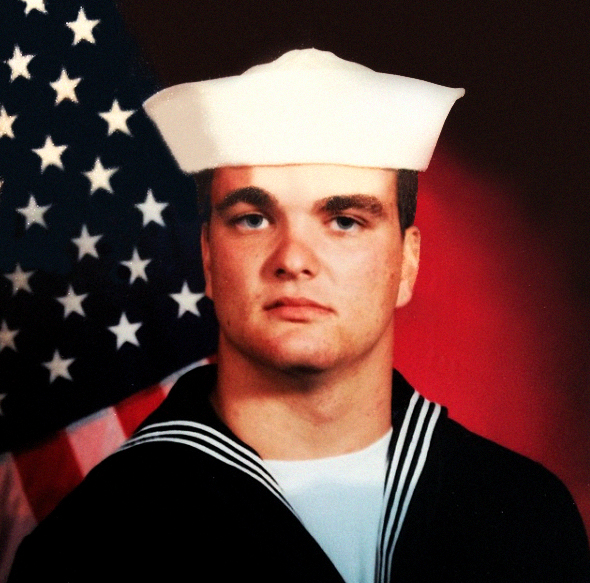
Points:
(296, 180)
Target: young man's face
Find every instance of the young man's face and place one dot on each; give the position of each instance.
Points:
(304, 263)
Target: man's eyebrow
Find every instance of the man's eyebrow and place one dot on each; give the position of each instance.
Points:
(250, 195)
(339, 203)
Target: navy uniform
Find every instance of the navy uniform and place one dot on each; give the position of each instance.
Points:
(186, 498)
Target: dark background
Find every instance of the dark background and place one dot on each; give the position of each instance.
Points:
(499, 329)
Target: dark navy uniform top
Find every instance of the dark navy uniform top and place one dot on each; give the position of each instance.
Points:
(186, 500)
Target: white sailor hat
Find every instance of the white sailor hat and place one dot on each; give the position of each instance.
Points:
(306, 107)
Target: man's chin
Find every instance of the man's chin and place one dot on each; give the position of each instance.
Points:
(298, 363)
(302, 356)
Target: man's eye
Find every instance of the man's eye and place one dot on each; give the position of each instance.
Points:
(251, 221)
(345, 223)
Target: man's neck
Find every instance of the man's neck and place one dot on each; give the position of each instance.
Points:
(286, 415)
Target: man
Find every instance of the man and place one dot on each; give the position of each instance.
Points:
(302, 456)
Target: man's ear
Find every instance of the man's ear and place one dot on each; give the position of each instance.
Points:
(410, 261)
(206, 257)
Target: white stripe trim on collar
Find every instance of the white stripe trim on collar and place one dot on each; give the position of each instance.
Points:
(407, 463)
(211, 442)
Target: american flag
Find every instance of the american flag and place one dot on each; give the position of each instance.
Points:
(100, 282)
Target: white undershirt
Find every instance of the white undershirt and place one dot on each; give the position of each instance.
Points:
(339, 501)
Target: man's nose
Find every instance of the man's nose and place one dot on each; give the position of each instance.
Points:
(295, 255)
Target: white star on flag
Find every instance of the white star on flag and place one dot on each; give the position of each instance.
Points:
(117, 118)
(19, 64)
(19, 279)
(72, 302)
(34, 213)
(7, 337)
(187, 300)
(152, 209)
(137, 266)
(125, 331)
(58, 367)
(65, 88)
(100, 177)
(34, 5)
(86, 243)
(6, 122)
(82, 28)
(50, 154)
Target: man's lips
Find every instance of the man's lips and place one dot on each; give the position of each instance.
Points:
(295, 305)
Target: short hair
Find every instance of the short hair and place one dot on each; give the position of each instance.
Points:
(407, 195)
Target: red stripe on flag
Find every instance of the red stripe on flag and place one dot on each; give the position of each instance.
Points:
(95, 437)
(133, 410)
(48, 472)
(16, 515)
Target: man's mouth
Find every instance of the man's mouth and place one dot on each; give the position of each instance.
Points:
(296, 308)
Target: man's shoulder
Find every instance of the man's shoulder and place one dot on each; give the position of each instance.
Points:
(479, 501)
(461, 456)
(181, 442)
(468, 455)
(484, 473)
